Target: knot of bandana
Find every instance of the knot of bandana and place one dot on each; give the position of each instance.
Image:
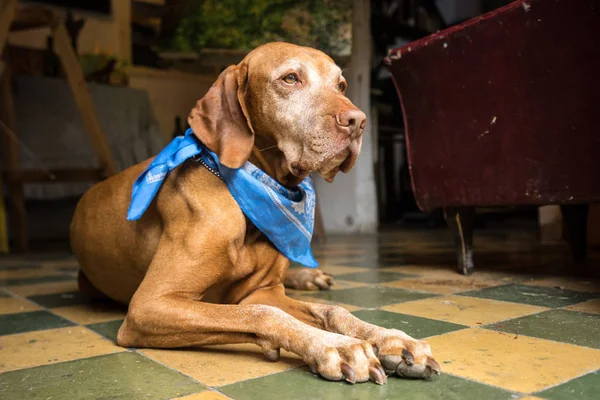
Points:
(285, 216)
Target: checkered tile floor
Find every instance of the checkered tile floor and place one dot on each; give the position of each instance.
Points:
(512, 330)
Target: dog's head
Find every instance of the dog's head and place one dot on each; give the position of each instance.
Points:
(293, 99)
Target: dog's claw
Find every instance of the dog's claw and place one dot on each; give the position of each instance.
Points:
(322, 283)
(270, 351)
(408, 357)
(272, 354)
(378, 375)
(432, 366)
(348, 373)
(382, 371)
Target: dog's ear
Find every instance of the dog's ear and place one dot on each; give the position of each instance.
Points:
(220, 119)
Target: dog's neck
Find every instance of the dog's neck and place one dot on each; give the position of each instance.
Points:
(267, 156)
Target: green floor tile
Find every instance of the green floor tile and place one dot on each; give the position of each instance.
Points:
(117, 376)
(30, 321)
(374, 276)
(17, 267)
(107, 329)
(50, 256)
(393, 263)
(71, 269)
(31, 281)
(300, 384)
(573, 327)
(392, 254)
(357, 262)
(60, 299)
(405, 261)
(441, 246)
(370, 297)
(586, 387)
(416, 327)
(534, 295)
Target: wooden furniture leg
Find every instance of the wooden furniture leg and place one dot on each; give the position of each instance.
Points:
(74, 75)
(10, 160)
(15, 197)
(7, 10)
(4, 249)
(461, 221)
(15, 177)
(575, 219)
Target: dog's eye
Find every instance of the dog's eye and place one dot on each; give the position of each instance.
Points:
(290, 79)
(342, 86)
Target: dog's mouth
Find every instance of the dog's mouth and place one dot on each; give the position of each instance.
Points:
(342, 161)
(332, 166)
(329, 167)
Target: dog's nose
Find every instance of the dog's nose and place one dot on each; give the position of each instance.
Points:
(352, 119)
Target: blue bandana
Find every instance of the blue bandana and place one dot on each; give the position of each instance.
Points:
(285, 216)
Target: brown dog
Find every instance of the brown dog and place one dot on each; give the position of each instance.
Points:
(195, 271)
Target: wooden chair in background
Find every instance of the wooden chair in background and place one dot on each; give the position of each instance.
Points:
(15, 18)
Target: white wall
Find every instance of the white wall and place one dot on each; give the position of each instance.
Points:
(458, 10)
(349, 204)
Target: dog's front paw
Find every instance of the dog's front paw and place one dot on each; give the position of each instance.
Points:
(336, 357)
(403, 355)
(308, 279)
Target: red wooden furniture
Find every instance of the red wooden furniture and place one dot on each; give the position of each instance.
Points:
(504, 110)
